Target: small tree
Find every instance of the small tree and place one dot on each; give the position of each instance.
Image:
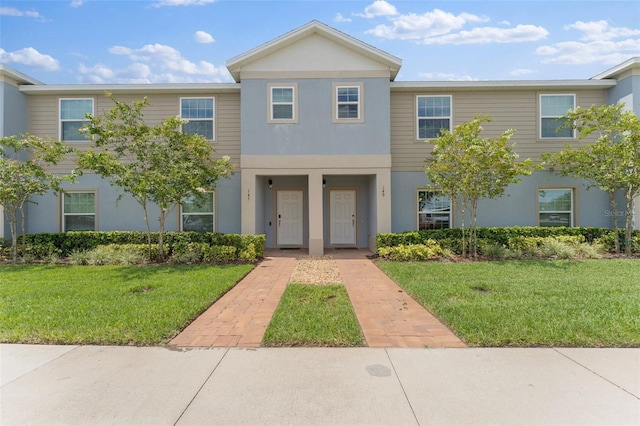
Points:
(466, 167)
(611, 163)
(158, 164)
(23, 174)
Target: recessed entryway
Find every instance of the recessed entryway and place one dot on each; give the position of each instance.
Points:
(343, 216)
(289, 218)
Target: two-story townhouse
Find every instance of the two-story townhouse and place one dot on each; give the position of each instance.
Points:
(329, 149)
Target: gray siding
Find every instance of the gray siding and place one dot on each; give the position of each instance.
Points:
(509, 110)
(315, 133)
(517, 207)
(628, 91)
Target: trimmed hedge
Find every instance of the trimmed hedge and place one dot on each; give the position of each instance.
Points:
(243, 247)
(451, 238)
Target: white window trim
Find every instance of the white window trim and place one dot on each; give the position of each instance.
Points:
(61, 120)
(213, 119)
(95, 207)
(540, 116)
(182, 214)
(270, 103)
(418, 211)
(450, 116)
(572, 212)
(360, 103)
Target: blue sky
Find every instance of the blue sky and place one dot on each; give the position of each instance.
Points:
(172, 41)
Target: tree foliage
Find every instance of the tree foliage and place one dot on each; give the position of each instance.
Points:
(153, 163)
(467, 167)
(611, 163)
(23, 174)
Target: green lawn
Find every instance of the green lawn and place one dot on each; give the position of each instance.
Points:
(107, 304)
(588, 303)
(314, 315)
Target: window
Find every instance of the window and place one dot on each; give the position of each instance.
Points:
(198, 216)
(555, 207)
(552, 107)
(348, 103)
(282, 104)
(434, 210)
(73, 117)
(200, 113)
(434, 114)
(79, 211)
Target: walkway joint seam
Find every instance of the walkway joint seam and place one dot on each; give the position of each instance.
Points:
(404, 392)
(599, 375)
(204, 382)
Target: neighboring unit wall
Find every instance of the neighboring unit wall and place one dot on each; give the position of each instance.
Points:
(516, 109)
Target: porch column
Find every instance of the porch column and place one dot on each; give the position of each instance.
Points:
(316, 225)
(383, 205)
(248, 202)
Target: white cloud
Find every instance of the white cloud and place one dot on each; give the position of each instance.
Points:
(599, 43)
(378, 8)
(601, 30)
(442, 76)
(162, 3)
(30, 57)
(340, 18)
(420, 27)
(440, 27)
(76, 3)
(155, 63)
(486, 35)
(12, 11)
(522, 71)
(203, 37)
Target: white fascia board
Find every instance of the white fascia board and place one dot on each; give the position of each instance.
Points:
(132, 88)
(21, 78)
(500, 85)
(618, 69)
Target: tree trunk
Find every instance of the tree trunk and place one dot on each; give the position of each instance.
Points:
(163, 213)
(614, 210)
(473, 224)
(628, 232)
(24, 233)
(462, 214)
(146, 221)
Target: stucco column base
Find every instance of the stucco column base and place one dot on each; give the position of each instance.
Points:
(316, 247)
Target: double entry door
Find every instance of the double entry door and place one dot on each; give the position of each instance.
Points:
(290, 217)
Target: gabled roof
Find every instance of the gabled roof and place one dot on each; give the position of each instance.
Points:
(236, 64)
(17, 76)
(619, 69)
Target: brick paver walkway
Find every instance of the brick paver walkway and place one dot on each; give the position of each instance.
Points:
(388, 316)
(241, 316)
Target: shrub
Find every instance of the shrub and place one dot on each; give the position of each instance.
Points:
(429, 250)
(220, 254)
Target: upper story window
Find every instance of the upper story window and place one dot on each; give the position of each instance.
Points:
(552, 107)
(348, 103)
(434, 210)
(283, 103)
(73, 117)
(79, 211)
(198, 217)
(555, 207)
(200, 113)
(434, 114)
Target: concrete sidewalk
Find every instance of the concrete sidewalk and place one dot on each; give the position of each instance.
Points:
(73, 385)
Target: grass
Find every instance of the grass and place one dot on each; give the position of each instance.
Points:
(107, 304)
(590, 303)
(314, 315)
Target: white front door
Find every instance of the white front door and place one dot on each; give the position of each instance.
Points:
(289, 218)
(343, 217)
